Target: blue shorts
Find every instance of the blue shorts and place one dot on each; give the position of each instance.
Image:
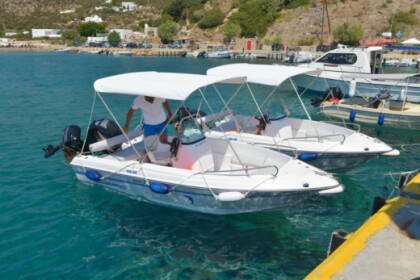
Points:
(149, 129)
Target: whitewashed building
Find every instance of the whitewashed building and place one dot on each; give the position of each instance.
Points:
(50, 33)
(129, 6)
(67, 11)
(94, 18)
(100, 38)
(125, 34)
(150, 31)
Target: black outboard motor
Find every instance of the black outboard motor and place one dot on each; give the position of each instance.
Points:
(330, 93)
(263, 121)
(71, 143)
(103, 129)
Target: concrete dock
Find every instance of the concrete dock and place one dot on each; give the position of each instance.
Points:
(386, 246)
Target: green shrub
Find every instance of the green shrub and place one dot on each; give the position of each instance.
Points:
(306, 41)
(91, 29)
(167, 31)
(401, 20)
(348, 35)
(230, 31)
(252, 18)
(114, 37)
(211, 18)
(293, 4)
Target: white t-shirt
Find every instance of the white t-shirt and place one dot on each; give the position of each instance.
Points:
(152, 112)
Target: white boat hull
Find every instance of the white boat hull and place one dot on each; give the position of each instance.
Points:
(190, 190)
(326, 146)
(396, 119)
(364, 87)
(219, 54)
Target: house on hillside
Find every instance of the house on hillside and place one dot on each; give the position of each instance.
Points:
(94, 18)
(150, 31)
(129, 6)
(50, 33)
(125, 34)
(99, 38)
(67, 11)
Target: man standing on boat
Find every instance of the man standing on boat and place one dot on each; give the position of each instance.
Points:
(155, 120)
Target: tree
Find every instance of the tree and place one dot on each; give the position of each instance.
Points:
(90, 29)
(271, 8)
(348, 35)
(114, 38)
(167, 31)
(231, 30)
(211, 18)
(252, 19)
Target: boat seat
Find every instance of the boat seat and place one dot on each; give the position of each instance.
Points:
(128, 153)
(222, 162)
(158, 153)
(196, 156)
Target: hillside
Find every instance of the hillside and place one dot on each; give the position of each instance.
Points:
(290, 26)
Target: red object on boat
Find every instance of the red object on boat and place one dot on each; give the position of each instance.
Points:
(334, 100)
(379, 42)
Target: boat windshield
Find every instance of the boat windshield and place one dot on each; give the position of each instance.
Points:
(191, 131)
(338, 58)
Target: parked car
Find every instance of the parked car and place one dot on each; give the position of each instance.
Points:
(131, 45)
(277, 47)
(147, 46)
(174, 45)
(95, 44)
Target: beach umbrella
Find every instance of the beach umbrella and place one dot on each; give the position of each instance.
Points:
(412, 41)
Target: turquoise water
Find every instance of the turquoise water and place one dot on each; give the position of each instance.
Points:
(54, 226)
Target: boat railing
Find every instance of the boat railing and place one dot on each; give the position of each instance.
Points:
(276, 146)
(245, 170)
(319, 137)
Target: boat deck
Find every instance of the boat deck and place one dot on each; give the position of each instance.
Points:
(386, 246)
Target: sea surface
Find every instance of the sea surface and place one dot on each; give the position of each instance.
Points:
(53, 226)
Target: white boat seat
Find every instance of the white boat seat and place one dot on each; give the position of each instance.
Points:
(128, 153)
(197, 156)
(158, 153)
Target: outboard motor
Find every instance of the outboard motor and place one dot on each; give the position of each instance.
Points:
(382, 96)
(71, 143)
(332, 94)
(263, 121)
(103, 129)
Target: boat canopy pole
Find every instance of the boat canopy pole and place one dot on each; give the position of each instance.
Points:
(119, 126)
(90, 121)
(229, 143)
(306, 111)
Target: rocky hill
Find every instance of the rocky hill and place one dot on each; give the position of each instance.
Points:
(310, 21)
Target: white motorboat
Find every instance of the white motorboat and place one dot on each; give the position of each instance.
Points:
(196, 173)
(122, 53)
(335, 63)
(324, 145)
(217, 52)
(62, 50)
(381, 109)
